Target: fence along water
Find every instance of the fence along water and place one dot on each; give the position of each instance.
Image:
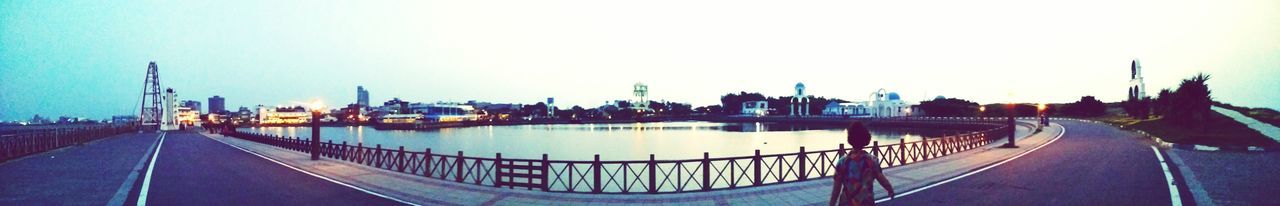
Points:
(20, 143)
(641, 176)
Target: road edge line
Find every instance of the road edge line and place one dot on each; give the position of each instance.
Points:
(1198, 193)
(1175, 198)
(312, 174)
(146, 180)
(122, 194)
(967, 174)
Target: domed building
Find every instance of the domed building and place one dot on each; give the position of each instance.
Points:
(880, 103)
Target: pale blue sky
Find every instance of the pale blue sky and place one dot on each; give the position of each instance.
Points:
(87, 58)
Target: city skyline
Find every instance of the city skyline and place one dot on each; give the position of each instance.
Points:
(55, 56)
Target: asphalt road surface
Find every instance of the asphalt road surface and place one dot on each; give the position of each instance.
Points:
(1090, 165)
(194, 170)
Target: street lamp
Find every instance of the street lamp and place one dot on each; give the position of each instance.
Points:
(982, 110)
(316, 107)
(1040, 117)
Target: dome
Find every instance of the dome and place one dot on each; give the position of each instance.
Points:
(940, 97)
(799, 84)
(894, 96)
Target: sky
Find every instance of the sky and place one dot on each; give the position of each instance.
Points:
(89, 58)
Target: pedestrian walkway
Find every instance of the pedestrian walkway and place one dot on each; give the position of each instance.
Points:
(88, 174)
(1266, 129)
(815, 192)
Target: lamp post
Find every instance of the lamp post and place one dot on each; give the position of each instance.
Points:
(316, 107)
(1042, 117)
(1009, 123)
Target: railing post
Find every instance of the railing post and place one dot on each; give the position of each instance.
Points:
(803, 174)
(400, 159)
(755, 162)
(875, 151)
(497, 170)
(653, 176)
(457, 162)
(546, 165)
(706, 171)
(427, 163)
(841, 151)
(595, 165)
(902, 151)
(924, 143)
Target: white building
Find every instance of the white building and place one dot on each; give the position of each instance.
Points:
(800, 102)
(1137, 89)
(755, 108)
(880, 103)
(441, 112)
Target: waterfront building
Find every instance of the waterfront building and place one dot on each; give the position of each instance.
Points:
(400, 118)
(191, 105)
(1137, 89)
(755, 108)
(442, 112)
(188, 116)
(124, 119)
(362, 96)
(880, 103)
(283, 115)
(217, 104)
(800, 101)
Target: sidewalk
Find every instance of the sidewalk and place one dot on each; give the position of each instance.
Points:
(90, 174)
(437, 192)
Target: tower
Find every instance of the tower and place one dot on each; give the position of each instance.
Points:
(362, 96)
(551, 106)
(150, 117)
(169, 118)
(800, 102)
(641, 92)
(1137, 89)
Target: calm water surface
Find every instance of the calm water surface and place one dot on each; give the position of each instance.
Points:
(626, 141)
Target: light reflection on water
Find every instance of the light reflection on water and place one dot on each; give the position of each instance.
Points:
(624, 141)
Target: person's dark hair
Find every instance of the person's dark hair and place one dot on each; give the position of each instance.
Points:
(859, 136)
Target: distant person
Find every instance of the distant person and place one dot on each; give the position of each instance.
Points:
(856, 170)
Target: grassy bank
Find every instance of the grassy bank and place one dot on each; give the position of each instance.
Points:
(1266, 115)
(1219, 130)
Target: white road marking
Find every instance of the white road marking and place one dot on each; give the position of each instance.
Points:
(123, 193)
(1173, 188)
(313, 174)
(1064, 131)
(146, 180)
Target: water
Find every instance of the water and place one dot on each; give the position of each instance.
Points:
(624, 141)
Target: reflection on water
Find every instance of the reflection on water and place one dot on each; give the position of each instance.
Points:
(624, 141)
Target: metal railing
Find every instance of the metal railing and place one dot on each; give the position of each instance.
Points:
(637, 176)
(27, 142)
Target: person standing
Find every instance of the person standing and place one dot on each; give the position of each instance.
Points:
(856, 171)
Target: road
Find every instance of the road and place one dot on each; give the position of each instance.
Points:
(192, 169)
(1090, 164)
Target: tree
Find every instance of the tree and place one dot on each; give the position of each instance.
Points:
(949, 107)
(1088, 106)
(1191, 101)
(732, 103)
(1138, 108)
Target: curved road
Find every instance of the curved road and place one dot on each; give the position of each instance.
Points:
(1091, 164)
